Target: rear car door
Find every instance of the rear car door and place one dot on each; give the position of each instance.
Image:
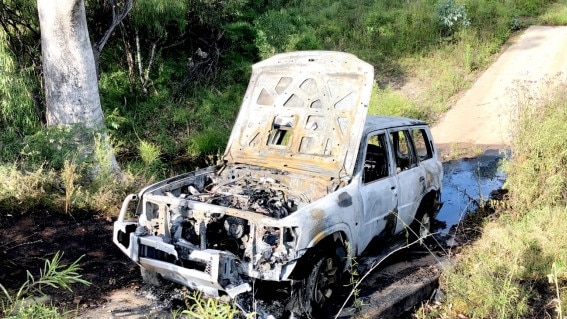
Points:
(410, 176)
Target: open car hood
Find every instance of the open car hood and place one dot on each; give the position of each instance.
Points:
(303, 111)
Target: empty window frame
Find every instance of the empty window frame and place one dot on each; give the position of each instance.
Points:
(376, 159)
(403, 151)
(422, 144)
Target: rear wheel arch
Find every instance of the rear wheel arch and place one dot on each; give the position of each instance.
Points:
(421, 225)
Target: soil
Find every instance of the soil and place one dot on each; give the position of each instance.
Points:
(30, 239)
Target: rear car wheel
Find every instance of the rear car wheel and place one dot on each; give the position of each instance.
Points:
(420, 229)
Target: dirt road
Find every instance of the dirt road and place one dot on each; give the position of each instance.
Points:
(482, 116)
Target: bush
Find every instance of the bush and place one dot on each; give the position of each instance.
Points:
(451, 16)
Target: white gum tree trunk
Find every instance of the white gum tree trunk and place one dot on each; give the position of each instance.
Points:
(69, 71)
(71, 88)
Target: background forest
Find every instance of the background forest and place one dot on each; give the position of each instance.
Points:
(173, 73)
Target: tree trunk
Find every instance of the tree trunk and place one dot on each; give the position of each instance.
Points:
(71, 89)
(69, 72)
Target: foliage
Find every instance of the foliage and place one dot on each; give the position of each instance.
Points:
(391, 102)
(210, 308)
(173, 74)
(555, 14)
(452, 16)
(26, 302)
(22, 189)
(157, 15)
(522, 253)
(17, 109)
(54, 170)
(54, 145)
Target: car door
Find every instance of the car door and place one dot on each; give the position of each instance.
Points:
(409, 174)
(378, 190)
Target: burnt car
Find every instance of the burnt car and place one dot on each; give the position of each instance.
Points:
(306, 183)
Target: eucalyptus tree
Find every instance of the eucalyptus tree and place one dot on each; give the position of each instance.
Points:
(69, 70)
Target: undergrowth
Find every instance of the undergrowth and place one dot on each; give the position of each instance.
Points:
(424, 52)
(517, 268)
(30, 300)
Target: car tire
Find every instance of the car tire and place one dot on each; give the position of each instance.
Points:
(321, 285)
(151, 277)
(313, 294)
(420, 229)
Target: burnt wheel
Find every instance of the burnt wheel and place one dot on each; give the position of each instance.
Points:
(420, 229)
(314, 293)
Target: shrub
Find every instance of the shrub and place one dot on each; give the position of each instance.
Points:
(451, 16)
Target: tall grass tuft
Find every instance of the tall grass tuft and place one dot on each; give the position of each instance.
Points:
(211, 308)
(26, 302)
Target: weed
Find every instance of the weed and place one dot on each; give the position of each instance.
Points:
(150, 154)
(26, 302)
(357, 303)
(210, 308)
(69, 176)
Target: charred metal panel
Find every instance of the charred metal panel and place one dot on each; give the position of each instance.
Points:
(303, 111)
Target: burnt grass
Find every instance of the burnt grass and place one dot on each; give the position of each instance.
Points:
(31, 238)
(28, 239)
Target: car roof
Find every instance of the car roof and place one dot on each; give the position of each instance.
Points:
(375, 122)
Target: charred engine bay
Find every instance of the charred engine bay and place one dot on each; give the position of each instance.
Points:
(221, 209)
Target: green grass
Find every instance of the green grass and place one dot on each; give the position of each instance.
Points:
(517, 268)
(28, 301)
(556, 14)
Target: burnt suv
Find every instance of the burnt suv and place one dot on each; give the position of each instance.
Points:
(307, 181)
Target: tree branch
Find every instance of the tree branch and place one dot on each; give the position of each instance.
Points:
(117, 17)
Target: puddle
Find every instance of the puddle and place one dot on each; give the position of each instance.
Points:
(466, 181)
